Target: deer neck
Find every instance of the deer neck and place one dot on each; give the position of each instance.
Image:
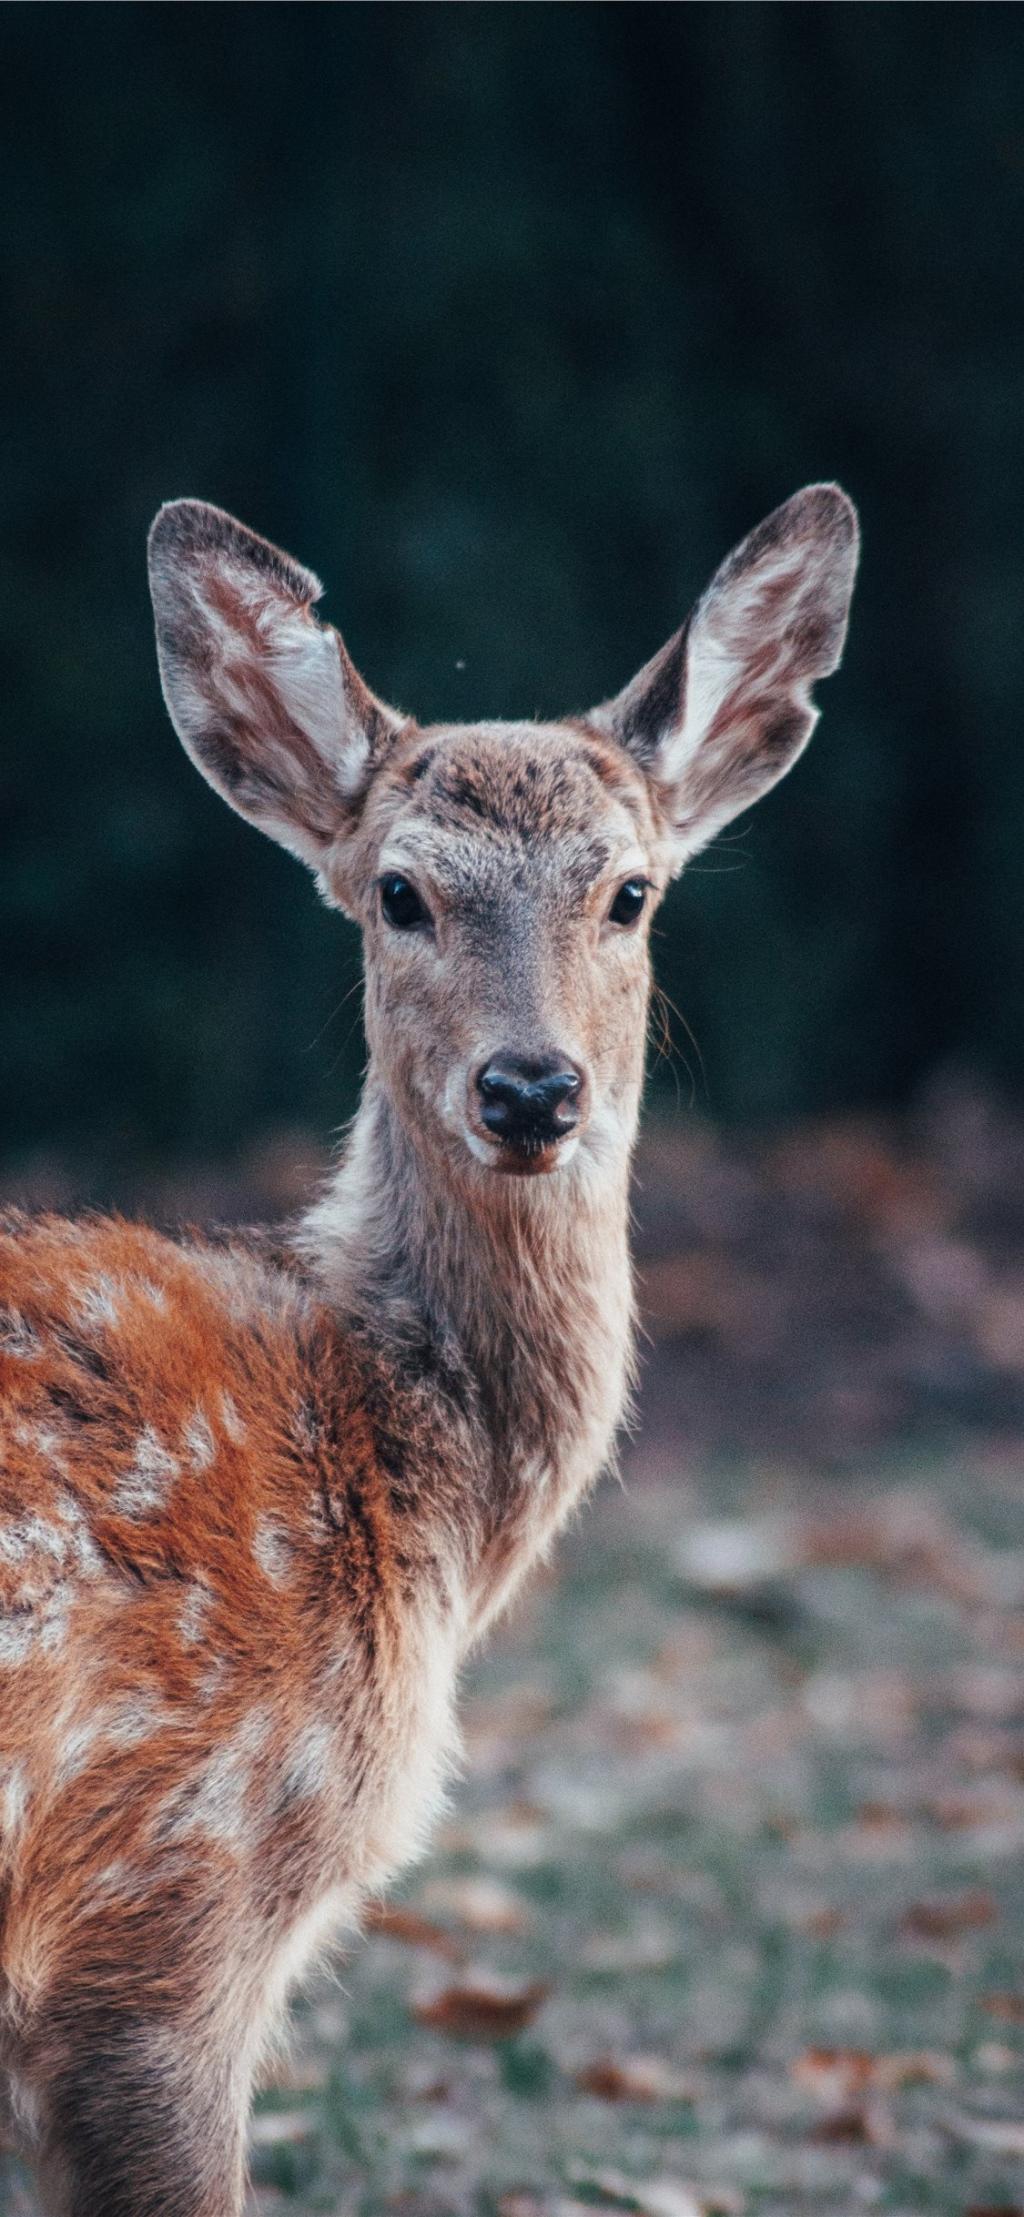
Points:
(522, 1286)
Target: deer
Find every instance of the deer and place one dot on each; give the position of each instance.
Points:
(261, 1494)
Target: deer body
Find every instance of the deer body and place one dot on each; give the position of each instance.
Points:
(257, 1499)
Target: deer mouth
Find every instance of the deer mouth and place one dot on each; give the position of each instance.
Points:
(533, 1158)
(525, 1157)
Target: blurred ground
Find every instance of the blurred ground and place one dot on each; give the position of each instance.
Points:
(727, 1913)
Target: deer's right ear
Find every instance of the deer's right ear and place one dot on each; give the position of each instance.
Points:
(262, 696)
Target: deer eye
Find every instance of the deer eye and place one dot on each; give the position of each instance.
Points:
(628, 904)
(401, 905)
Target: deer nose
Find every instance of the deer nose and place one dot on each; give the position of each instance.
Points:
(529, 1102)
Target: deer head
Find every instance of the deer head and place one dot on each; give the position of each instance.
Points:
(504, 874)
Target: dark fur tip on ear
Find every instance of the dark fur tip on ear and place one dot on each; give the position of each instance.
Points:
(185, 531)
(814, 534)
(821, 518)
(820, 512)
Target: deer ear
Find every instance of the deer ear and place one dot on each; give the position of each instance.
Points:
(262, 696)
(725, 709)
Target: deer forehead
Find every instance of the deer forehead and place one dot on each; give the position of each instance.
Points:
(484, 806)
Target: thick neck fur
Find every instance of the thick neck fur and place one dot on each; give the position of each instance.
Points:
(522, 1288)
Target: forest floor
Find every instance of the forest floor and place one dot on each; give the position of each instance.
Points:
(727, 1913)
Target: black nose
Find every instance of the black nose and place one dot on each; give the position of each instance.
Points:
(529, 1103)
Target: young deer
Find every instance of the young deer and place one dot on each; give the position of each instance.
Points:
(257, 1499)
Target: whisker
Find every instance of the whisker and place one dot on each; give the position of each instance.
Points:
(332, 1018)
(670, 1005)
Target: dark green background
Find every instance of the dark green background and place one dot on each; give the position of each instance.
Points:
(508, 320)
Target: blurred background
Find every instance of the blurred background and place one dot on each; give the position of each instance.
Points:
(509, 321)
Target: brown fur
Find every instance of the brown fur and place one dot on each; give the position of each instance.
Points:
(256, 1504)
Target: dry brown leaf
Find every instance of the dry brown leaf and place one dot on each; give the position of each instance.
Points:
(821, 1924)
(481, 2007)
(850, 2125)
(840, 2075)
(947, 1919)
(635, 2078)
(408, 1925)
(1008, 2007)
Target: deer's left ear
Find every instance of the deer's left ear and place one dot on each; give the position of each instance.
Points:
(724, 710)
(263, 697)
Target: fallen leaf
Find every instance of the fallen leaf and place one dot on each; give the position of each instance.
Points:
(837, 2075)
(408, 1925)
(1009, 2008)
(946, 1919)
(483, 2007)
(635, 2078)
(849, 2125)
(821, 1924)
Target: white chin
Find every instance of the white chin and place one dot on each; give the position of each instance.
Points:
(490, 1154)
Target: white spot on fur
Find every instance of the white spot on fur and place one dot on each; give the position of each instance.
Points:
(52, 1620)
(305, 1429)
(15, 1642)
(145, 1488)
(215, 1806)
(200, 1445)
(136, 1718)
(35, 1547)
(121, 1881)
(230, 1277)
(213, 1678)
(45, 1441)
(310, 1764)
(76, 1748)
(193, 1614)
(231, 1420)
(272, 1551)
(13, 1800)
(17, 1337)
(82, 1549)
(99, 1305)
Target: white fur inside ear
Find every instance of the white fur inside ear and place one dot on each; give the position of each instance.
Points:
(725, 709)
(298, 656)
(728, 632)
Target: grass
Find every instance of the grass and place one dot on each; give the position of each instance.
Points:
(765, 1831)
